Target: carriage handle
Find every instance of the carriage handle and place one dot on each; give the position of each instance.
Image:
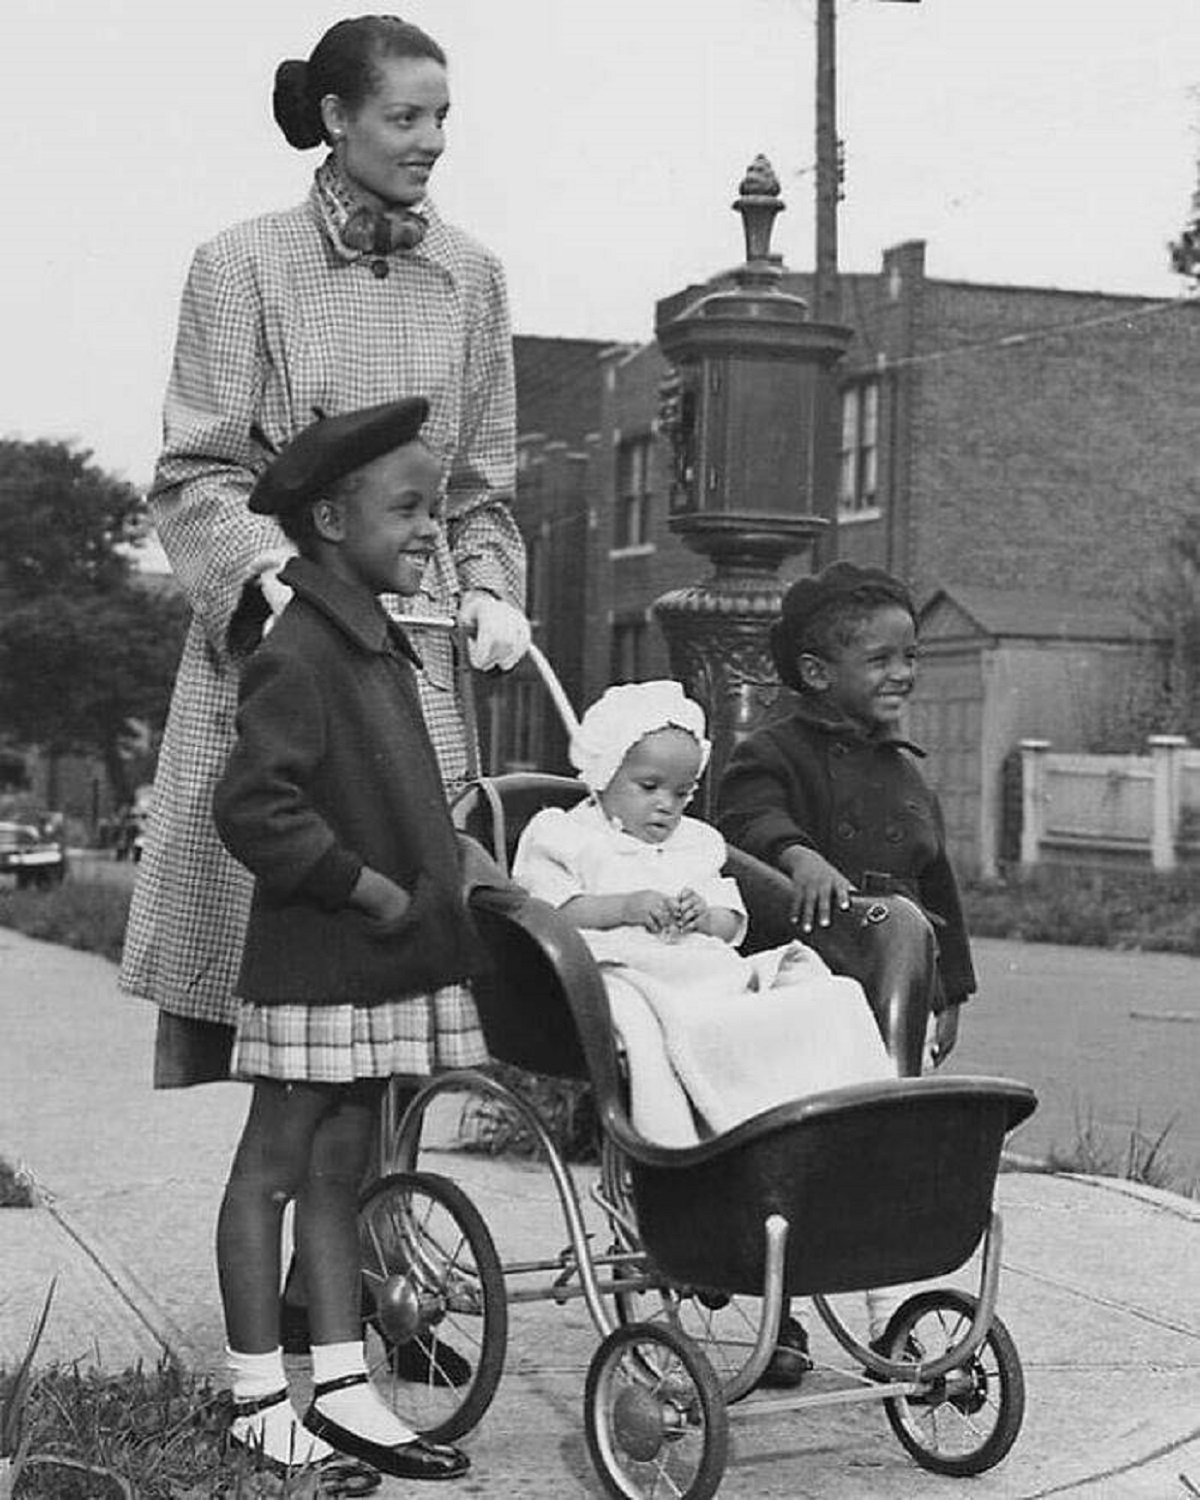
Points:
(449, 625)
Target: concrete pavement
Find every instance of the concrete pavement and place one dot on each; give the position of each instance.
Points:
(1100, 1289)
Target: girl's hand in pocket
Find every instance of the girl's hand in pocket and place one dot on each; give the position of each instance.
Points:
(379, 899)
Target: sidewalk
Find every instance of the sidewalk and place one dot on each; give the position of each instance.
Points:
(1100, 1289)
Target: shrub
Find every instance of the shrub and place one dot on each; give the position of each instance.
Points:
(1090, 908)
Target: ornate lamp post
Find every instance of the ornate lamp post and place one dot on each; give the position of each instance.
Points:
(748, 415)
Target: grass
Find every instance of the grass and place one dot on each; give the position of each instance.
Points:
(1141, 1157)
(490, 1126)
(1137, 1157)
(157, 1435)
(1090, 908)
(89, 915)
(16, 1190)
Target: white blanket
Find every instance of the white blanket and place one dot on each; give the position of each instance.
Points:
(712, 1038)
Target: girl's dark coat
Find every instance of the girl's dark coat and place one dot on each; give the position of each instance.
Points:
(858, 800)
(333, 770)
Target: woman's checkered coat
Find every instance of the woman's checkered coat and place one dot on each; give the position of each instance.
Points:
(279, 320)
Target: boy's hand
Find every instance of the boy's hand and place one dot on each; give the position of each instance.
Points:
(378, 898)
(690, 910)
(649, 909)
(942, 1035)
(817, 886)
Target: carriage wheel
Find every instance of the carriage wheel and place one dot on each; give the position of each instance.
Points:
(970, 1418)
(722, 1326)
(435, 1312)
(654, 1415)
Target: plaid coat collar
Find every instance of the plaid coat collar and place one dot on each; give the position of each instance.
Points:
(357, 613)
(331, 203)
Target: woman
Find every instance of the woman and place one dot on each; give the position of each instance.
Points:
(359, 295)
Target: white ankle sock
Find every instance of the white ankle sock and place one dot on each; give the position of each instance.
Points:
(358, 1407)
(882, 1302)
(276, 1431)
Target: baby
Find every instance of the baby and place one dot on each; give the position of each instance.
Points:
(712, 1037)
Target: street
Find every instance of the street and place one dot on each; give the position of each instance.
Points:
(1109, 1040)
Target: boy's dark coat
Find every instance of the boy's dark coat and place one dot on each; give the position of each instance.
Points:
(333, 769)
(859, 801)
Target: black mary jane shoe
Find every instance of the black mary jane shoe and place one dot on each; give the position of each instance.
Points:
(415, 1460)
(336, 1474)
(440, 1365)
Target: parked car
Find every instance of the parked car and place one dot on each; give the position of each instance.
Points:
(132, 824)
(36, 856)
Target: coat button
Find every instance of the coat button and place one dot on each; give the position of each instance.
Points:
(846, 830)
(379, 268)
(893, 834)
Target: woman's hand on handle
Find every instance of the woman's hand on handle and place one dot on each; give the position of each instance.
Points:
(278, 595)
(499, 633)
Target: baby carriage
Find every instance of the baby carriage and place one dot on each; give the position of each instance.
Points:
(868, 1185)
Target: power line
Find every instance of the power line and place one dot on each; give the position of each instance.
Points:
(1032, 335)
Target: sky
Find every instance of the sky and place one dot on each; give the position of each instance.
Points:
(596, 147)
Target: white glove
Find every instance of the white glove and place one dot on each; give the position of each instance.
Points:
(277, 595)
(500, 634)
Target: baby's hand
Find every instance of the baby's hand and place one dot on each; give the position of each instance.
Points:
(649, 909)
(816, 887)
(690, 910)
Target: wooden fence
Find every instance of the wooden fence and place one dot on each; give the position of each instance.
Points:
(1123, 809)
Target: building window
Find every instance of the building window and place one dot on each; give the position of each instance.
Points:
(632, 516)
(627, 661)
(859, 453)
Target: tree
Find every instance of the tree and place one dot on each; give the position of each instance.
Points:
(86, 643)
(1171, 607)
(64, 523)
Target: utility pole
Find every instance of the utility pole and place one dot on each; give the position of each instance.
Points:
(826, 297)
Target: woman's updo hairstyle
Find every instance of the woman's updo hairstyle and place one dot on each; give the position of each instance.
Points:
(344, 62)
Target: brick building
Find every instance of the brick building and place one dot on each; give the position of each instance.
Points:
(1035, 442)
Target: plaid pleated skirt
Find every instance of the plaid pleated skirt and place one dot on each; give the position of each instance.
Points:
(339, 1043)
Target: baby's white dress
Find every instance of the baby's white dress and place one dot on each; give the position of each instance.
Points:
(708, 1033)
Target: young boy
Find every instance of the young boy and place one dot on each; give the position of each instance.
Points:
(830, 795)
(332, 797)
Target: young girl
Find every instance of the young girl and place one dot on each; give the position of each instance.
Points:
(707, 1032)
(333, 799)
(831, 795)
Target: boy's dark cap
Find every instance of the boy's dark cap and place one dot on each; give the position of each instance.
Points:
(841, 580)
(332, 448)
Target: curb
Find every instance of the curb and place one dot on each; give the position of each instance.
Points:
(140, 1302)
(1162, 1198)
